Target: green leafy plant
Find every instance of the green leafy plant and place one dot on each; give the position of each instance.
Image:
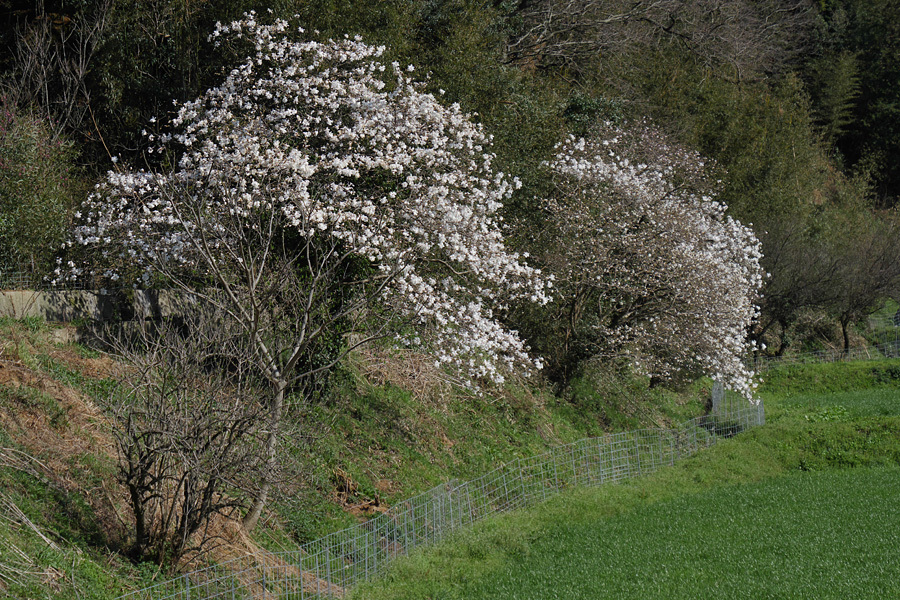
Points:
(830, 413)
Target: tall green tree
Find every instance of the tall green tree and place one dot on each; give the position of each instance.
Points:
(857, 61)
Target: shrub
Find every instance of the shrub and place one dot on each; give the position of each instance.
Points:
(36, 191)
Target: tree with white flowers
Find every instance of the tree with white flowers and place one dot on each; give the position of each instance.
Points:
(649, 267)
(321, 198)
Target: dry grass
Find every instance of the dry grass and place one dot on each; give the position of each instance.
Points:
(408, 370)
(230, 545)
(84, 431)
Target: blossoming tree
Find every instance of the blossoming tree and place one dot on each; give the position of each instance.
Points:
(649, 266)
(321, 198)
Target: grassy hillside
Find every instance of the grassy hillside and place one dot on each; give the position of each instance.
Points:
(797, 535)
(791, 509)
(388, 428)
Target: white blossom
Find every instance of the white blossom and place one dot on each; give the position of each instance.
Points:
(322, 135)
(674, 279)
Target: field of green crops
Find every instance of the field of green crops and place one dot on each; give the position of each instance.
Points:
(805, 507)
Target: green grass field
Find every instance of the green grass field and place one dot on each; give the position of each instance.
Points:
(806, 507)
(805, 535)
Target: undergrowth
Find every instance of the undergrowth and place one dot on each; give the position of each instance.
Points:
(369, 443)
(828, 378)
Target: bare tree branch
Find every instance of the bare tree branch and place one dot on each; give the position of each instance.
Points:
(189, 428)
(52, 61)
(750, 37)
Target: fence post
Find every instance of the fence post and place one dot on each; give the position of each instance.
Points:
(450, 507)
(506, 503)
(718, 398)
(637, 452)
(327, 554)
(555, 470)
(659, 444)
(671, 448)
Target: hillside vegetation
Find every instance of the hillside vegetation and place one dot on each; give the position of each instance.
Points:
(390, 432)
(795, 122)
(390, 428)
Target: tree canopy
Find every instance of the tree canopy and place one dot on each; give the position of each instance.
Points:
(789, 103)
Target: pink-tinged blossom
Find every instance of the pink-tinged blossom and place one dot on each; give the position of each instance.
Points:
(335, 144)
(673, 279)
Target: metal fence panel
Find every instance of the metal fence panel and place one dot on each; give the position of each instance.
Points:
(324, 568)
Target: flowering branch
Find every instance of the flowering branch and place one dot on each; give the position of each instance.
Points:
(649, 266)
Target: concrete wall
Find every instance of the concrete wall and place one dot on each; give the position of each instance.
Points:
(62, 306)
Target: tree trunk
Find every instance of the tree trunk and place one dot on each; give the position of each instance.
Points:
(783, 340)
(262, 497)
(844, 325)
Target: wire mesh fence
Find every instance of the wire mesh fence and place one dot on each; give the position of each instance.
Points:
(18, 280)
(326, 567)
(12, 279)
(889, 349)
